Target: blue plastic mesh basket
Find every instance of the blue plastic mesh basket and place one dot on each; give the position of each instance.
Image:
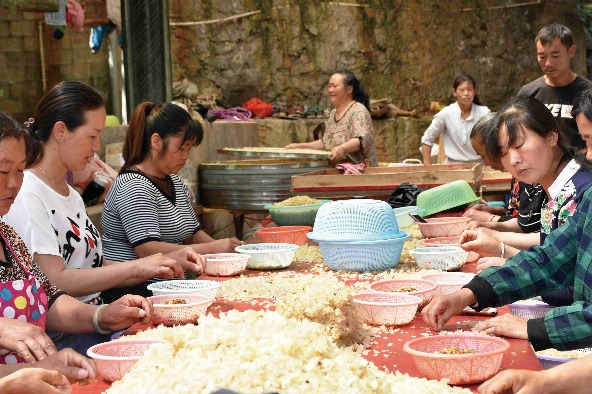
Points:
(363, 255)
(357, 219)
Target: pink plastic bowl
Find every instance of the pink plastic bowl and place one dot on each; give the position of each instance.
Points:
(425, 289)
(284, 234)
(114, 359)
(447, 241)
(178, 314)
(449, 282)
(443, 227)
(388, 309)
(225, 264)
(457, 368)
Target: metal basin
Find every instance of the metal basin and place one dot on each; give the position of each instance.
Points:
(250, 184)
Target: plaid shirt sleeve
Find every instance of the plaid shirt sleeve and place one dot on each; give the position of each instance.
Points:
(564, 259)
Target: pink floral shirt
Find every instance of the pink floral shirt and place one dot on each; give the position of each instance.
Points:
(355, 123)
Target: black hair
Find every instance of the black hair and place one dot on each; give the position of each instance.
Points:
(484, 126)
(66, 102)
(552, 31)
(11, 128)
(462, 77)
(359, 95)
(583, 104)
(164, 119)
(481, 131)
(525, 112)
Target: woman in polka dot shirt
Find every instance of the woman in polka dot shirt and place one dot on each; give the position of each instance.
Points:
(29, 303)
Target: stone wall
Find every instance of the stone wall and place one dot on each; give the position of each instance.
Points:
(409, 50)
(21, 67)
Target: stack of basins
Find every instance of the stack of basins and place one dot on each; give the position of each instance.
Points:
(358, 235)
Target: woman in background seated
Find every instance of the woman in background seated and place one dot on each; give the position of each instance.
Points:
(148, 209)
(29, 301)
(348, 135)
(50, 215)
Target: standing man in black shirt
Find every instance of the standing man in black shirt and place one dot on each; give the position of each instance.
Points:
(559, 85)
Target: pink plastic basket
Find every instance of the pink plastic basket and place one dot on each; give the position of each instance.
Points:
(114, 359)
(388, 309)
(443, 227)
(449, 282)
(225, 264)
(425, 289)
(177, 314)
(457, 368)
(530, 311)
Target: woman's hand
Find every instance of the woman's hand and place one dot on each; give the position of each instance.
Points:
(34, 381)
(507, 325)
(480, 242)
(338, 153)
(28, 340)
(479, 213)
(226, 245)
(157, 265)
(442, 308)
(515, 381)
(292, 146)
(124, 312)
(486, 262)
(189, 259)
(74, 366)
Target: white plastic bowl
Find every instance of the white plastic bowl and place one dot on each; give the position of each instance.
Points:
(203, 287)
(402, 215)
(440, 258)
(266, 256)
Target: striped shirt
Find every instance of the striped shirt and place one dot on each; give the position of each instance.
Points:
(137, 211)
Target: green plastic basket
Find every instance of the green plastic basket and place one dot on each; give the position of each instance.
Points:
(450, 195)
(297, 215)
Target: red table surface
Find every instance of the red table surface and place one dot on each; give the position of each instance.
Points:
(519, 356)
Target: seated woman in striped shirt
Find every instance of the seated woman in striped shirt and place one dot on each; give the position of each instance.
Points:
(50, 217)
(148, 209)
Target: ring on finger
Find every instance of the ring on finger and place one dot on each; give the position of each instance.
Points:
(49, 345)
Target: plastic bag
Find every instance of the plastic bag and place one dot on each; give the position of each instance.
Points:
(258, 107)
(404, 195)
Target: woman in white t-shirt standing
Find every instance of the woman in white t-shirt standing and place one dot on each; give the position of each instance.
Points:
(50, 216)
(455, 122)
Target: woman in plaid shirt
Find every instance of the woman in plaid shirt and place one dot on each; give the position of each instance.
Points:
(563, 260)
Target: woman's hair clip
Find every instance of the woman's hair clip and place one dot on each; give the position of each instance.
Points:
(29, 123)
